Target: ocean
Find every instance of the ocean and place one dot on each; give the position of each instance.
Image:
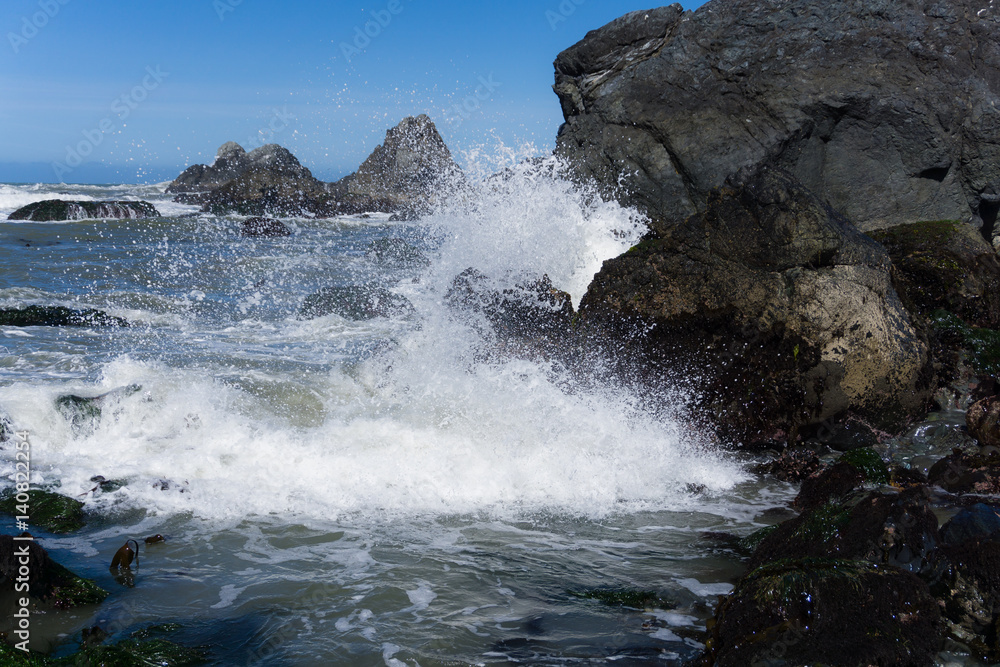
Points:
(404, 490)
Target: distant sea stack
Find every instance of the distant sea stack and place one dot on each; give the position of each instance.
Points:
(403, 174)
(408, 168)
(890, 111)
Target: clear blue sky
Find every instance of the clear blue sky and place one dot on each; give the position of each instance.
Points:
(147, 88)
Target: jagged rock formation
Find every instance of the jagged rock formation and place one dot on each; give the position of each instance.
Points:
(779, 310)
(407, 169)
(58, 209)
(400, 175)
(888, 110)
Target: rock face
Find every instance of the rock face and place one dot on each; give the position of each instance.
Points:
(407, 168)
(57, 209)
(946, 265)
(890, 111)
(782, 311)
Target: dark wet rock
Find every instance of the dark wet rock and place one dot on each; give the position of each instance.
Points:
(889, 111)
(142, 648)
(48, 581)
(846, 434)
(983, 421)
(832, 483)
(53, 512)
(264, 228)
(782, 312)
(355, 302)
(957, 344)
(396, 252)
(85, 412)
(869, 463)
(967, 473)
(6, 428)
(792, 465)
(823, 611)
(979, 523)
(411, 168)
(58, 316)
(896, 529)
(634, 599)
(945, 265)
(529, 309)
(966, 579)
(57, 209)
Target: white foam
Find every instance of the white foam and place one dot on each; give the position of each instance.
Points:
(430, 426)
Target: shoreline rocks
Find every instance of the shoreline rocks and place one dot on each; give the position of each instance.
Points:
(890, 112)
(779, 310)
(58, 316)
(58, 209)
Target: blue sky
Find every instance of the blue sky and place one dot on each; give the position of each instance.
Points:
(147, 88)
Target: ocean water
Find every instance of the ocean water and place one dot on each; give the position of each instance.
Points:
(398, 491)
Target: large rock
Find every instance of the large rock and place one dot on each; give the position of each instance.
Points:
(782, 312)
(58, 316)
(231, 161)
(47, 580)
(58, 209)
(815, 611)
(945, 264)
(888, 110)
(272, 182)
(409, 168)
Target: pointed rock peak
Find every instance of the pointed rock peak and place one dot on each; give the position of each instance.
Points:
(416, 132)
(230, 147)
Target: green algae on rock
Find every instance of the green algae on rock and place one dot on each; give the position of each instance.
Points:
(54, 512)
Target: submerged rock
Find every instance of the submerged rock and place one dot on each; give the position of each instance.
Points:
(533, 309)
(781, 310)
(57, 209)
(812, 611)
(355, 302)
(85, 412)
(264, 228)
(58, 316)
(48, 581)
(889, 111)
(979, 523)
(54, 512)
(396, 252)
(140, 649)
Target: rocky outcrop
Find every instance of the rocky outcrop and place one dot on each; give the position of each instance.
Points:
(231, 161)
(58, 209)
(782, 312)
(404, 174)
(48, 580)
(890, 111)
(945, 265)
(409, 168)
